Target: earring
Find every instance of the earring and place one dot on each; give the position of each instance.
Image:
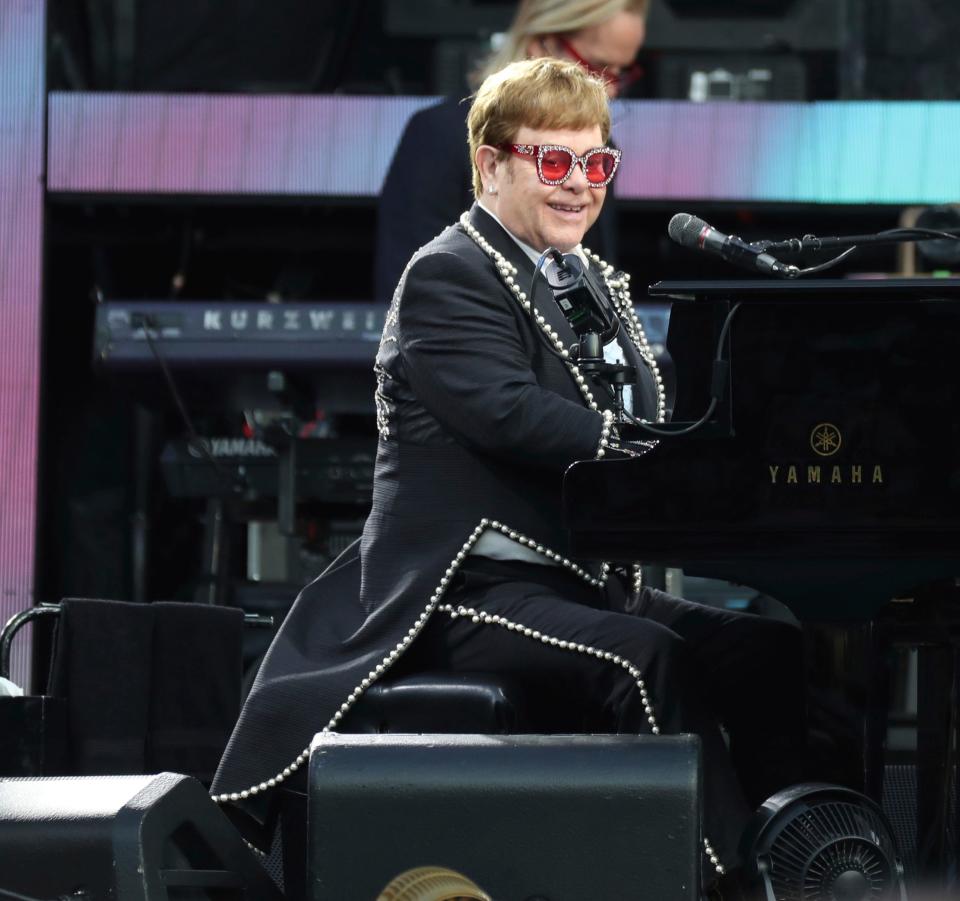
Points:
(492, 189)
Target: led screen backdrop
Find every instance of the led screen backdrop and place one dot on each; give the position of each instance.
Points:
(840, 152)
(21, 205)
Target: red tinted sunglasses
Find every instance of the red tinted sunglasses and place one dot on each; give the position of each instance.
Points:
(555, 162)
(622, 79)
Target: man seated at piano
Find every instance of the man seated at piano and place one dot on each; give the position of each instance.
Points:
(463, 564)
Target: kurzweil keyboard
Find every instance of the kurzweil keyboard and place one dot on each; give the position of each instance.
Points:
(133, 334)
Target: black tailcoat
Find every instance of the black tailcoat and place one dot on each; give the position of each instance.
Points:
(478, 421)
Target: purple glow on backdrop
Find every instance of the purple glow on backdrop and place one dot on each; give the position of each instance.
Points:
(21, 210)
(212, 144)
(829, 152)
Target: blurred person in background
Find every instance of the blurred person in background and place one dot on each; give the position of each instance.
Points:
(429, 182)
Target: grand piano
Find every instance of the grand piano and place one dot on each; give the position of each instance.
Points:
(827, 477)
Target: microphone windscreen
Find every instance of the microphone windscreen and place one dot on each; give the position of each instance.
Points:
(685, 229)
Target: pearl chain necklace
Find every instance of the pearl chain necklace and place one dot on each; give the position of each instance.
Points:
(619, 291)
(508, 272)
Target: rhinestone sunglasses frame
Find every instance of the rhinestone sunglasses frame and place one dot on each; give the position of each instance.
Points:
(539, 150)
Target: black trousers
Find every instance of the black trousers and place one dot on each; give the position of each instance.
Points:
(673, 664)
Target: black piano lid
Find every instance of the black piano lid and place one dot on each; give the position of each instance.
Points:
(810, 290)
(833, 530)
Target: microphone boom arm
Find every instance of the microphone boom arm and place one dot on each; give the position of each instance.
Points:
(811, 243)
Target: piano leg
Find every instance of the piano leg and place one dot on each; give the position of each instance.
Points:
(876, 710)
(930, 622)
(934, 771)
(850, 683)
(954, 771)
(843, 710)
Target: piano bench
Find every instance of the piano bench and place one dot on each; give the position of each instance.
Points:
(461, 703)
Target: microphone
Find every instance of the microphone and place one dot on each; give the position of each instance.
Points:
(586, 309)
(690, 231)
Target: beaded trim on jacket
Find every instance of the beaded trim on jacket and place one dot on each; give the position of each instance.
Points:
(618, 288)
(392, 657)
(508, 272)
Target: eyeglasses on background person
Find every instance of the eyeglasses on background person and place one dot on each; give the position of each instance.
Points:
(621, 79)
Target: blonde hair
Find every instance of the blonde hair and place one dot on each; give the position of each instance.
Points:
(537, 93)
(535, 18)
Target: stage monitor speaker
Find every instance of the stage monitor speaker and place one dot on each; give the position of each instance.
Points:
(130, 838)
(546, 817)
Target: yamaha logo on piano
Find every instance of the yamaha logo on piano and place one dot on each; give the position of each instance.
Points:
(825, 440)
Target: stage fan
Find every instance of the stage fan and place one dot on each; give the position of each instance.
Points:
(823, 843)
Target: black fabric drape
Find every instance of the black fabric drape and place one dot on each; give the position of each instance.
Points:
(149, 687)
